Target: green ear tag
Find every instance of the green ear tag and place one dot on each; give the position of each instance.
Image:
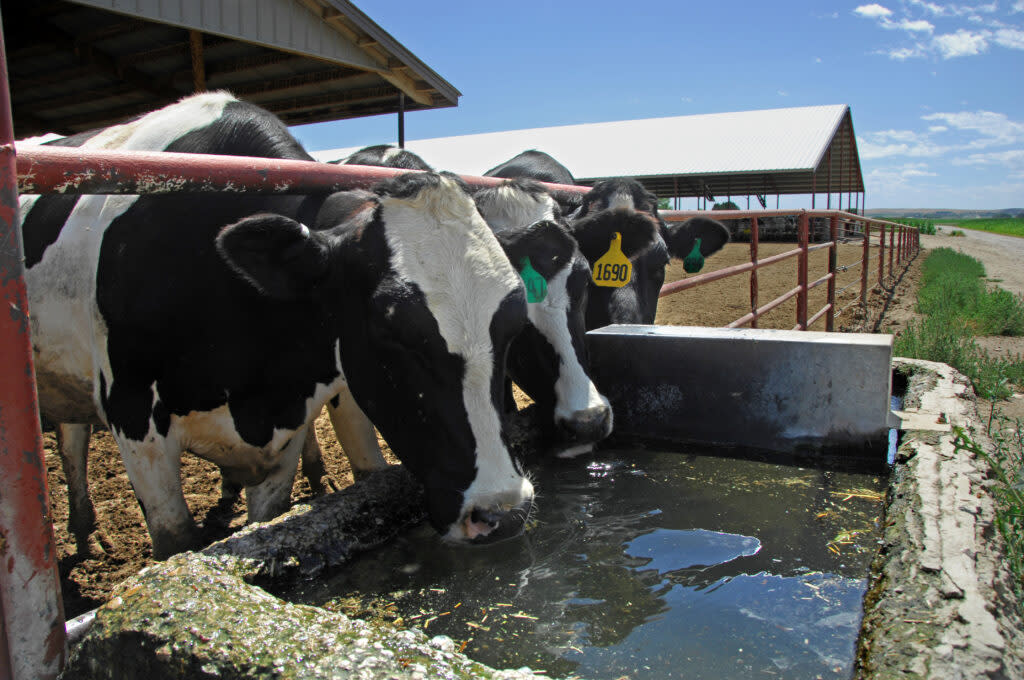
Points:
(693, 262)
(536, 286)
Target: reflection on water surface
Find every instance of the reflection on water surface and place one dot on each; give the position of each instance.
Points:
(648, 565)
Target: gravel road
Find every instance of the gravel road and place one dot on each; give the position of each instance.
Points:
(1003, 256)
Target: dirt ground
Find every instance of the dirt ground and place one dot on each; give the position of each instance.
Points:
(122, 544)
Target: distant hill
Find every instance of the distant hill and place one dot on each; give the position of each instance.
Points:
(944, 214)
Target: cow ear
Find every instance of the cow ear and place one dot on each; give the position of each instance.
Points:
(683, 236)
(595, 234)
(548, 245)
(278, 256)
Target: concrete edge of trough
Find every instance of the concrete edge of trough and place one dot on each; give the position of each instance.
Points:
(940, 602)
(201, 615)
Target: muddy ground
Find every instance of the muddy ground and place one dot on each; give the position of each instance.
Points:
(122, 544)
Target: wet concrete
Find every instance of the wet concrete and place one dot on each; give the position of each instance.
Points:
(940, 604)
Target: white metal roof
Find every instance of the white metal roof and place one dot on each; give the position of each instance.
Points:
(766, 145)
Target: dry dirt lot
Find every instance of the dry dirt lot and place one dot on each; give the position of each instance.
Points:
(122, 538)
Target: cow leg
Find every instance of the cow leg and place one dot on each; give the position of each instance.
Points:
(355, 434)
(313, 462)
(154, 469)
(273, 495)
(73, 446)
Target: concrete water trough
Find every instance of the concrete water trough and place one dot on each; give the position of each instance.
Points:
(938, 602)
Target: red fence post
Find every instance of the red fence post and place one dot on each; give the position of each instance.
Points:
(892, 237)
(29, 580)
(801, 298)
(755, 239)
(881, 255)
(864, 265)
(833, 256)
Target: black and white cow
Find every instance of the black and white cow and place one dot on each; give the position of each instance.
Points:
(221, 324)
(387, 156)
(548, 358)
(539, 166)
(623, 205)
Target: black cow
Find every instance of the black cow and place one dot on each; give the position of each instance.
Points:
(221, 324)
(623, 206)
(387, 156)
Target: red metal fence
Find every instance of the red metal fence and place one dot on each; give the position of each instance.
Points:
(903, 244)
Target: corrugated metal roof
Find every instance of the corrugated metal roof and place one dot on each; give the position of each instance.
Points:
(80, 64)
(754, 152)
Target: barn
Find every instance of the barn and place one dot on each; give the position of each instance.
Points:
(809, 151)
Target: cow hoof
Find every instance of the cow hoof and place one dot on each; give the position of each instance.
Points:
(96, 545)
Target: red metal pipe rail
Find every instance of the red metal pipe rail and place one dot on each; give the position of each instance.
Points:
(33, 634)
(65, 170)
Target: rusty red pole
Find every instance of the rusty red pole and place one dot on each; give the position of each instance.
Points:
(892, 237)
(29, 580)
(801, 298)
(755, 239)
(881, 254)
(864, 266)
(833, 256)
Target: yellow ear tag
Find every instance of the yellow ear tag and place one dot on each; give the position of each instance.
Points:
(614, 269)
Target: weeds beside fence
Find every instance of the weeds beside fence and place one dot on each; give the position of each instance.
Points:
(959, 306)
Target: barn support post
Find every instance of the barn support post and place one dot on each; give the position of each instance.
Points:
(195, 43)
(401, 120)
(801, 298)
(35, 644)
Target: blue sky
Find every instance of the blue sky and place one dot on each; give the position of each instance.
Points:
(936, 89)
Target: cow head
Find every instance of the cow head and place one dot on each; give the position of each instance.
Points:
(626, 207)
(425, 305)
(548, 359)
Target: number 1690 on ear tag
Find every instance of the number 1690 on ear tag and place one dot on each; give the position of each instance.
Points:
(614, 269)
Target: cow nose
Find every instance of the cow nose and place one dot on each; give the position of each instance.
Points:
(588, 425)
(489, 525)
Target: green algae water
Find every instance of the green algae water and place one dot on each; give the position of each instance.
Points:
(645, 565)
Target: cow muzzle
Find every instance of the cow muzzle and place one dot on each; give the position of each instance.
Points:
(490, 525)
(586, 426)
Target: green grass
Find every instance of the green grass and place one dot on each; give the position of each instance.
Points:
(1010, 226)
(1007, 463)
(958, 306)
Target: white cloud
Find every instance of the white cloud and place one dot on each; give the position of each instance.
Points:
(961, 44)
(783, 93)
(1018, 6)
(937, 128)
(904, 53)
(996, 129)
(873, 11)
(1013, 157)
(1010, 37)
(919, 26)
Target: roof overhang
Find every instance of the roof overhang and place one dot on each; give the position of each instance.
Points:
(80, 64)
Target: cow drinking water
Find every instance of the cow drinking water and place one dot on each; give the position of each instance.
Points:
(221, 324)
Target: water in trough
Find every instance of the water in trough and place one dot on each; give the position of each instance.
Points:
(647, 565)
